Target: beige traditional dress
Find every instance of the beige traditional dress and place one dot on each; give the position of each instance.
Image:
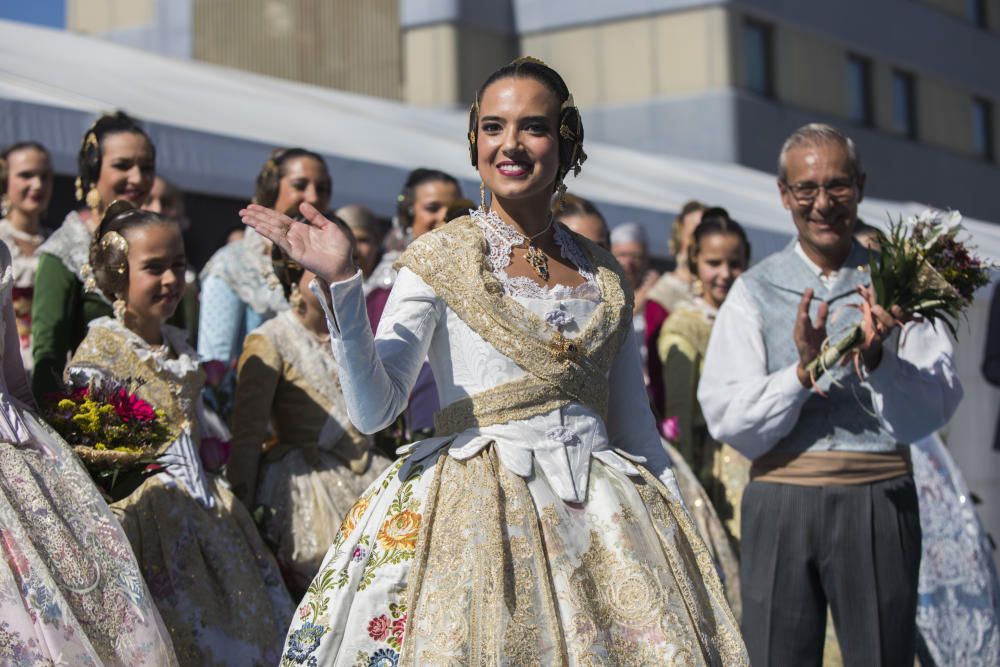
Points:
(214, 580)
(722, 470)
(316, 464)
(24, 267)
(542, 526)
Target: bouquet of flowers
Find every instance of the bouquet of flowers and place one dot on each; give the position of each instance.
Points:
(925, 270)
(116, 434)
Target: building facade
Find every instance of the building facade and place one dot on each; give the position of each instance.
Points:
(912, 81)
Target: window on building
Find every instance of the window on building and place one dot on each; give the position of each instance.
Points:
(758, 57)
(982, 128)
(859, 93)
(904, 104)
(975, 11)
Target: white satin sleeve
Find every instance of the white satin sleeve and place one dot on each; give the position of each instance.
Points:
(631, 424)
(377, 373)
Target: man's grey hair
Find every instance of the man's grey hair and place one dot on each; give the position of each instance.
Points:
(819, 134)
(629, 232)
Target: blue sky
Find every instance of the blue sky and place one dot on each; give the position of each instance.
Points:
(41, 12)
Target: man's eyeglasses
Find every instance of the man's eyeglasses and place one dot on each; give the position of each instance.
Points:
(807, 191)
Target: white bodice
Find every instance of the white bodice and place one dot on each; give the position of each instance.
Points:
(378, 374)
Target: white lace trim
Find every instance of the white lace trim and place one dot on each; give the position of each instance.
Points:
(176, 358)
(501, 239)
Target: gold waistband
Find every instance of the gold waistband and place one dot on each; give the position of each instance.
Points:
(832, 468)
(512, 401)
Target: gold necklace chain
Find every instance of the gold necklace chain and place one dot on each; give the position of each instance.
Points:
(536, 258)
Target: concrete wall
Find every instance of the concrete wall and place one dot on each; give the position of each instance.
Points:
(100, 16)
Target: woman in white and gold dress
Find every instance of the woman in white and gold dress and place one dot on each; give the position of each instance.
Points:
(71, 591)
(542, 525)
(316, 464)
(212, 577)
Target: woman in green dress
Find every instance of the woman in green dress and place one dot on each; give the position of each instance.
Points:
(117, 160)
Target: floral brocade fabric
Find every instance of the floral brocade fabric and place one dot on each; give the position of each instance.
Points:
(464, 562)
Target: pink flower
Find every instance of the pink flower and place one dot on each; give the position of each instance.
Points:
(132, 408)
(214, 453)
(378, 628)
(215, 372)
(398, 627)
(303, 612)
(670, 429)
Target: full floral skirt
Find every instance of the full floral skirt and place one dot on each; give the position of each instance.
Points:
(70, 590)
(214, 580)
(446, 561)
(310, 500)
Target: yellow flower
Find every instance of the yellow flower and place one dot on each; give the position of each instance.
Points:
(66, 404)
(400, 531)
(100, 446)
(353, 516)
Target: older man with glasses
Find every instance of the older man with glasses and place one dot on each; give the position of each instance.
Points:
(830, 516)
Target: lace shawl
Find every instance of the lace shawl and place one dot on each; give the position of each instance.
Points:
(245, 267)
(71, 244)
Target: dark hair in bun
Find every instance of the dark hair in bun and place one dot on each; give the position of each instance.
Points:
(715, 220)
(92, 147)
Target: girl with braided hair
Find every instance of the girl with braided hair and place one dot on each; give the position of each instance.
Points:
(542, 523)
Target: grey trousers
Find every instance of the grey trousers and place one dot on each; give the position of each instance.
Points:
(856, 548)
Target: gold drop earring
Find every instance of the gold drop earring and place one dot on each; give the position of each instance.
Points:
(482, 195)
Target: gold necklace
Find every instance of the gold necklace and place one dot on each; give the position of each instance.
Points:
(536, 258)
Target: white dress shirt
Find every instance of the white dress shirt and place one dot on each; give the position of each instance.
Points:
(915, 388)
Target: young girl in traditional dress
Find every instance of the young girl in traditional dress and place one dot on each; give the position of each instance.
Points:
(213, 579)
(71, 591)
(542, 525)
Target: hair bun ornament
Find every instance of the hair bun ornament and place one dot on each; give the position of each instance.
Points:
(116, 208)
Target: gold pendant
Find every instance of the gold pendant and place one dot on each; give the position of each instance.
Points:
(538, 261)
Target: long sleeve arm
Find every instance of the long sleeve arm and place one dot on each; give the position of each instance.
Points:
(378, 373)
(743, 404)
(219, 332)
(915, 389)
(631, 425)
(55, 307)
(257, 381)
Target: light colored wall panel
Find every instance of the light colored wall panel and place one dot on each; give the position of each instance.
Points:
(98, 16)
(944, 115)
(810, 71)
(622, 62)
(430, 55)
(342, 44)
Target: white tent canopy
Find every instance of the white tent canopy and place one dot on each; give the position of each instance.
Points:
(213, 127)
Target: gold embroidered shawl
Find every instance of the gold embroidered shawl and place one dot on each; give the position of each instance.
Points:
(112, 354)
(452, 261)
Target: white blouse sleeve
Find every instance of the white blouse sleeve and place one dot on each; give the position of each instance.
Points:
(378, 372)
(631, 424)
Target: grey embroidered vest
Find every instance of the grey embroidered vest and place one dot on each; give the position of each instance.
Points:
(845, 419)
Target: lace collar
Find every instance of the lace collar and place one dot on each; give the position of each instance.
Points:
(245, 266)
(175, 357)
(71, 244)
(501, 239)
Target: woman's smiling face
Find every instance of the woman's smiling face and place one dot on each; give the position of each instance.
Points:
(518, 141)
